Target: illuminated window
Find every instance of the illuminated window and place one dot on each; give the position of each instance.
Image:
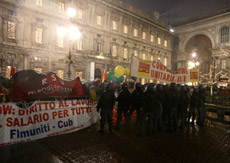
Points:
(144, 35)
(98, 20)
(39, 2)
(38, 35)
(224, 34)
(159, 58)
(114, 25)
(125, 56)
(165, 43)
(79, 45)
(150, 81)
(144, 56)
(135, 32)
(61, 6)
(165, 61)
(38, 69)
(135, 53)
(151, 57)
(159, 40)
(223, 64)
(60, 41)
(60, 74)
(80, 14)
(125, 29)
(79, 74)
(114, 51)
(11, 30)
(151, 38)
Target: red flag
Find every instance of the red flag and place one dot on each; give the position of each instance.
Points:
(27, 86)
(13, 71)
(103, 76)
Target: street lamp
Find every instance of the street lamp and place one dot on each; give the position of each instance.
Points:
(74, 34)
(194, 54)
(194, 63)
(71, 12)
(197, 63)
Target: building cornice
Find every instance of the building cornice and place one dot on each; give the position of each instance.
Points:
(204, 19)
(140, 15)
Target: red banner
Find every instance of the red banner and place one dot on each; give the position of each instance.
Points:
(33, 86)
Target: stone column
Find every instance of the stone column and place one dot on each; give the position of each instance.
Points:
(25, 60)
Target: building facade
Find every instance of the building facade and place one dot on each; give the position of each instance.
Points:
(209, 38)
(111, 31)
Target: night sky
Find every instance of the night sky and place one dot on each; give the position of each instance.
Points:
(172, 11)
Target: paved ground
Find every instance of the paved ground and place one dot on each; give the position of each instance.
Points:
(192, 144)
(189, 145)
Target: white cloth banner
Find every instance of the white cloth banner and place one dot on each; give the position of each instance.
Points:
(156, 70)
(44, 119)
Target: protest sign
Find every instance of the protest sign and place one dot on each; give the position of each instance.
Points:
(45, 118)
(156, 70)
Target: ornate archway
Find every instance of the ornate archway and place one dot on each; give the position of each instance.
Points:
(202, 45)
(208, 34)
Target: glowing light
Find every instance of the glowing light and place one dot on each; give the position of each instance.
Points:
(61, 31)
(197, 63)
(194, 54)
(172, 30)
(74, 33)
(191, 65)
(71, 12)
(189, 83)
(100, 57)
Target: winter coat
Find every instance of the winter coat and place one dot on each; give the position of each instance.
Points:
(106, 101)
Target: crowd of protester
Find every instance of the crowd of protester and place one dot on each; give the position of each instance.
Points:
(158, 107)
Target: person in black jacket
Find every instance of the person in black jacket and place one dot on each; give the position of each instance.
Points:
(173, 102)
(201, 105)
(136, 103)
(193, 105)
(123, 105)
(158, 109)
(183, 105)
(106, 103)
(165, 105)
(148, 110)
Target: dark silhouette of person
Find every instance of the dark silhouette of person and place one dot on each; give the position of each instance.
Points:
(106, 103)
(123, 105)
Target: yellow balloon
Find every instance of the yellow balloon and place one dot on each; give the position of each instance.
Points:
(127, 71)
(119, 71)
(116, 75)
